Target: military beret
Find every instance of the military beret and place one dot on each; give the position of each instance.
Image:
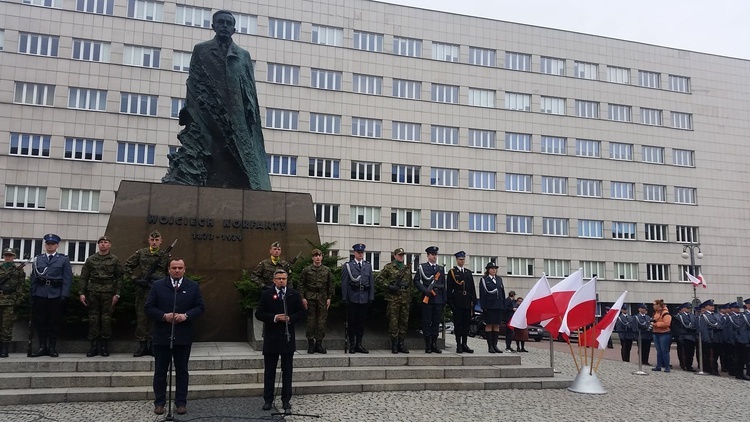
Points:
(398, 251)
(432, 249)
(275, 245)
(460, 254)
(51, 238)
(490, 265)
(358, 247)
(9, 251)
(154, 234)
(642, 306)
(709, 302)
(316, 252)
(686, 305)
(103, 238)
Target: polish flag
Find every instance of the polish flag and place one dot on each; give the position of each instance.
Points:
(696, 280)
(598, 336)
(538, 305)
(561, 293)
(581, 309)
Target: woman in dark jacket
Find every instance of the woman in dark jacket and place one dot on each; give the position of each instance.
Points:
(492, 299)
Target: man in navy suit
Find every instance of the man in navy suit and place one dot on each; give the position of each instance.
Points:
(279, 309)
(174, 302)
(357, 292)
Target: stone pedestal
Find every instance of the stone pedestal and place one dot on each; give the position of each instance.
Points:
(220, 232)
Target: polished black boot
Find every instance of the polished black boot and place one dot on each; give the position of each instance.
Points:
(427, 345)
(359, 348)
(400, 346)
(489, 342)
(4, 349)
(435, 348)
(495, 336)
(319, 347)
(104, 347)
(149, 350)
(42, 350)
(53, 348)
(352, 345)
(93, 349)
(394, 346)
(142, 348)
(310, 346)
(465, 345)
(459, 346)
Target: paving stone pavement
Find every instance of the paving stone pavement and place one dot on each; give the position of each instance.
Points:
(656, 396)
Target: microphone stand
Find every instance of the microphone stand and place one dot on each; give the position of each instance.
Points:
(286, 317)
(169, 416)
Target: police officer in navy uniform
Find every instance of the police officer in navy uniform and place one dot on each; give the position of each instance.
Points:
(492, 299)
(462, 296)
(357, 292)
(644, 326)
(726, 349)
(51, 279)
(709, 327)
(625, 326)
(744, 340)
(686, 325)
(430, 281)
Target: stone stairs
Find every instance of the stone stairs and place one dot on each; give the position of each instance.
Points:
(235, 369)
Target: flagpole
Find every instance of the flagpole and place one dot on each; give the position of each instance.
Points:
(591, 370)
(572, 353)
(599, 361)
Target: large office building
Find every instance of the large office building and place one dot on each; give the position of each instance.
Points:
(540, 149)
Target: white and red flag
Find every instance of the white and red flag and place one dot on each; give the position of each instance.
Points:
(696, 280)
(561, 293)
(598, 336)
(538, 306)
(581, 309)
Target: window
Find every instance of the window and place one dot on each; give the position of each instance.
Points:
(619, 113)
(403, 131)
(83, 149)
(622, 190)
(281, 119)
(682, 120)
(650, 116)
(679, 83)
(555, 226)
(407, 47)
(34, 94)
(177, 105)
(26, 248)
(405, 218)
(482, 56)
(37, 44)
(652, 154)
(515, 101)
(517, 182)
(445, 93)
(649, 79)
(91, 51)
(28, 197)
(687, 234)
(79, 200)
(443, 220)
(481, 97)
(147, 10)
(79, 251)
(282, 165)
(327, 213)
(588, 109)
(245, 24)
(657, 272)
(518, 142)
(283, 29)
(553, 105)
(554, 145)
(324, 79)
(482, 179)
(555, 185)
(619, 151)
(407, 89)
(593, 269)
(518, 61)
(623, 231)
(588, 148)
(519, 224)
(87, 99)
(481, 222)
(135, 153)
(327, 35)
(619, 75)
(366, 84)
(682, 157)
(369, 128)
(283, 74)
(445, 52)
(626, 271)
(323, 167)
(585, 70)
(325, 123)
(141, 56)
(172, 150)
(29, 145)
(444, 135)
(405, 174)
(192, 16)
(521, 266)
(588, 187)
(46, 3)
(682, 269)
(654, 193)
(683, 195)
(145, 105)
(556, 268)
(368, 41)
(478, 263)
(482, 138)
(591, 228)
(372, 257)
(656, 232)
(365, 171)
(364, 216)
(181, 61)
(552, 66)
(443, 177)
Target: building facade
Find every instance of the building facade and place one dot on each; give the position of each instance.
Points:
(540, 149)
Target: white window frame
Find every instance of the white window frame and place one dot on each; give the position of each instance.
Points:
(363, 170)
(687, 234)
(138, 104)
(445, 52)
(478, 263)
(193, 16)
(284, 29)
(682, 120)
(619, 75)
(410, 47)
(444, 177)
(79, 200)
(626, 271)
(515, 182)
(142, 56)
(282, 165)
(593, 269)
(651, 116)
(79, 250)
(588, 148)
(29, 145)
(517, 142)
(405, 218)
(406, 131)
(25, 248)
(484, 180)
(90, 50)
(554, 226)
(556, 145)
(245, 24)
(367, 128)
(283, 74)
(403, 88)
(518, 61)
(135, 153)
(520, 267)
(517, 101)
(87, 99)
(684, 195)
(652, 154)
(368, 41)
(326, 213)
(485, 223)
(444, 93)
(443, 220)
(683, 157)
(83, 149)
(364, 215)
(177, 105)
(654, 193)
(25, 197)
(589, 188)
(38, 44)
(679, 83)
(482, 57)
(327, 35)
(368, 84)
(554, 185)
(325, 123)
(405, 174)
(591, 229)
(557, 268)
(587, 109)
(146, 10)
(482, 97)
(34, 94)
(326, 79)
(622, 190)
(620, 151)
(282, 119)
(57, 4)
(324, 168)
(584, 70)
(519, 224)
(553, 105)
(649, 79)
(656, 232)
(481, 138)
(443, 135)
(657, 272)
(552, 66)
(623, 230)
(619, 113)
(181, 61)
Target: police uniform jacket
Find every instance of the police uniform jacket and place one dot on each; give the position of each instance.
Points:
(643, 324)
(494, 300)
(274, 333)
(461, 291)
(727, 334)
(625, 326)
(357, 284)
(51, 278)
(426, 274)
(162, 298)
(709, 326)
(743, 333)
(687, 325)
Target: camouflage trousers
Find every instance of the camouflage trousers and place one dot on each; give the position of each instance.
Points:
(8, 319)
(317, 314)
(100, 315)
(143, 325)
(397, 313)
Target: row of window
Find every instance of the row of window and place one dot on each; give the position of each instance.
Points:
(77, 250)
(32, 197)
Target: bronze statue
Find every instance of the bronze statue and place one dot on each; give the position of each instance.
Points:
(222, 142)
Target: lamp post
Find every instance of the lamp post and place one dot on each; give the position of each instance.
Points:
(689, 250)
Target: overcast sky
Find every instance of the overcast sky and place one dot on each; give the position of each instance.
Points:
(709, 26)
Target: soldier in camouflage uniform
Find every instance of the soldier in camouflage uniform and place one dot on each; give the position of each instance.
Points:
(101, 277)
(395, 278)
(263, 273)
(11, 278)
(137, 269)
(316, 288)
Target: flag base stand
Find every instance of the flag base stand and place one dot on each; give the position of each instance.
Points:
(587, 383)
(640, 372)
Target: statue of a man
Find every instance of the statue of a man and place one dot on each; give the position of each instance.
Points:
(222, 142)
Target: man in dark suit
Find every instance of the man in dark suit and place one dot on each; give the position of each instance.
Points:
(357, 292)
(174, 302)
(279, 309)
(430, 281)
